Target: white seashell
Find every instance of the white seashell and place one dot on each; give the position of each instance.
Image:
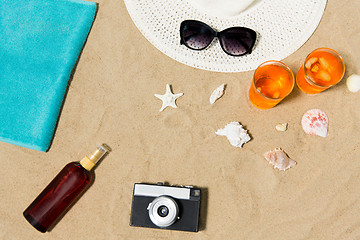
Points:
(315, 122)
(281, 127)
(353, 83)
(235, 133)
(279, 159)
(217, 93)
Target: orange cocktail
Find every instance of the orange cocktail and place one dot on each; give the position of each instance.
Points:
(272, 82)
(322, 69)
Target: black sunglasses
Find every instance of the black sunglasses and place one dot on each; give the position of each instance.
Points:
(235, 41)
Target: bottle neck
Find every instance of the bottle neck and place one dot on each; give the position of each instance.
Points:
(89, 162)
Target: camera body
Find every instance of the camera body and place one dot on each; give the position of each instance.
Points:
(165, 207)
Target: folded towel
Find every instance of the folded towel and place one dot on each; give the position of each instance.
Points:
(40, 42)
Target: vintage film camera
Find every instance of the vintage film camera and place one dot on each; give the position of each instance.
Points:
(165, 207)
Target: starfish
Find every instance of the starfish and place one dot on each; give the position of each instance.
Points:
(168, 98)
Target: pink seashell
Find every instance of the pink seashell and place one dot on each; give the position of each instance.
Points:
(315, 122)
(279, 159)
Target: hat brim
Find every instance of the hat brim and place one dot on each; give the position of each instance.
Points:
(282, 28)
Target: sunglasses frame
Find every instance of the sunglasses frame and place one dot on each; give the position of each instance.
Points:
(218, 35)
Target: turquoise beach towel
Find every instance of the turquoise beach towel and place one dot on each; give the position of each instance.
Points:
(40, 42)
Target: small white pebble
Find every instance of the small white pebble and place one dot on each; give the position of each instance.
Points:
(282, 127)
(353, 83)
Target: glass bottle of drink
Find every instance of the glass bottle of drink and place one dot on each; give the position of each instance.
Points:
(63, 191)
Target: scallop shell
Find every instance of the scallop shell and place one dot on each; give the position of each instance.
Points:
(279, 159)
(315, 122)
(217, 93)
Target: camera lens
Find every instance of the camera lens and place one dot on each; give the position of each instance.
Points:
(163, 211)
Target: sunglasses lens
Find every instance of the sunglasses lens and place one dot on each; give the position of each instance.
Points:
(196, 35)
(237, 41)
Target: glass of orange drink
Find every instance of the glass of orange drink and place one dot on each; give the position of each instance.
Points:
(322, 69)
(272, 82)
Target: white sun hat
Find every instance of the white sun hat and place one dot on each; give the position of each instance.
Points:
(282, 27)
